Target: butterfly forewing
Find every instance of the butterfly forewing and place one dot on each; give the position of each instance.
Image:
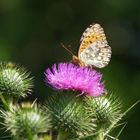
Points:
(94, 49)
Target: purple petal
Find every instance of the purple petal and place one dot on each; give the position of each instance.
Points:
(72, 77)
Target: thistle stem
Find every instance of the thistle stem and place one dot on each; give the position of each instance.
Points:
(61, 135)
(29, 133)
(100, 135)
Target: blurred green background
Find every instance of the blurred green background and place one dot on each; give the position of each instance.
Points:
(31, 32)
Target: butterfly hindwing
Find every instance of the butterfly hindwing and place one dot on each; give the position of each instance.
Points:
(94, 49)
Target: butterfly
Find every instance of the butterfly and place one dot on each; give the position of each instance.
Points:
(94, 50)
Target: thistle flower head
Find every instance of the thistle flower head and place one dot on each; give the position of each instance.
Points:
(14, 80)
(24, 119)
(107, 109)
(67, 76)
(68, 114)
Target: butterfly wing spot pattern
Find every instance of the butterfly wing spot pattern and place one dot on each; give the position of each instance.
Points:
(94, 49)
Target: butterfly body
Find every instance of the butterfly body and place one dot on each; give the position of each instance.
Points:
(94, 49)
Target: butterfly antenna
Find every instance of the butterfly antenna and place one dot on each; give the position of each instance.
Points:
(68, 50)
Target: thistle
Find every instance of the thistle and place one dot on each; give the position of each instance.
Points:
(67, 76)
(14, 80)
(80, 109)
(99, 113)
(26, 121)
(69, 116)
(106, 108)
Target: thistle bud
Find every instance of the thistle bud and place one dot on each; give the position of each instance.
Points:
(14, 80)
(106, 109)
(26, 120)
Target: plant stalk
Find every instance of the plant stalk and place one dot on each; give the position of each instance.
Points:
(62, 135)
(100, 135)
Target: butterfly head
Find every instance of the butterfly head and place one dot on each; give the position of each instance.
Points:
(77, 61)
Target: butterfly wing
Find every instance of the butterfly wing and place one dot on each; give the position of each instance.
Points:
(94, 49)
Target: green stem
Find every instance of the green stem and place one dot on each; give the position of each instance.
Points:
(29, 137)
(29, 134)
(62, 135)
(100, 135)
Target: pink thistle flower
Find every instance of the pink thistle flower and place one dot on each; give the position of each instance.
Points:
(67, 76)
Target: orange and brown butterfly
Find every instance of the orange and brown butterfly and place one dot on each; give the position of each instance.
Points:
(94, 49)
